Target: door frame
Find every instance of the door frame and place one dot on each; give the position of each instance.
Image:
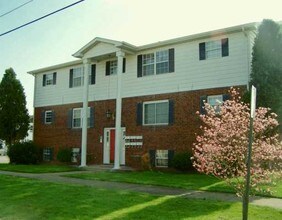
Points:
(106, 145)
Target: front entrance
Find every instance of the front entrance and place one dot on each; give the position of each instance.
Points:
(109, 146)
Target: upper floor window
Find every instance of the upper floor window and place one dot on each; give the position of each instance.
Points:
(112, 67)
(76, 78)
(49, 79)
(213, 49)
(155, 63)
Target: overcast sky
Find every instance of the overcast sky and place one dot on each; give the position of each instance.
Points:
(54, 39)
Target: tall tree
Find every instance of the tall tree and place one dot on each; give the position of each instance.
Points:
(266, 73)
(14, 118)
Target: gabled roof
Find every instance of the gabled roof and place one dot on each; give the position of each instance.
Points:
(97, 40)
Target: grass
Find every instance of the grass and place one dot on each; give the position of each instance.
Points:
(42, 168)
(193, 181)
(23, 198)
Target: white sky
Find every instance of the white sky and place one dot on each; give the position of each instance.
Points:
(54, 39)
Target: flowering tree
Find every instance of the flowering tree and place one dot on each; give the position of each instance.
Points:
(221, 149)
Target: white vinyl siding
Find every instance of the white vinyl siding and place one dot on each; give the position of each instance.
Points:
(190, 74)
(156, 113)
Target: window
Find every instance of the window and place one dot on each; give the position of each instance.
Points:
(77, 77)
(75, 154)
(156, 113)
(48, 117)
(77, 117)
(215, 101)
(47, 154)
(113, 67)
(155, 63)
(161, 158)
(49, 79)
(214, 49)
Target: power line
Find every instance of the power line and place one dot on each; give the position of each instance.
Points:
(15, 8)
(54, 12)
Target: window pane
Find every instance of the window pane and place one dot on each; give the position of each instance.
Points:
(77, 118)
(148, 70)
(161, 158)
(162, 67)
(213, 49)
(162, 56)
(78, 77)
(48, 117)
(149, 113)
(49, 79)
(215, 101)
(113, 67)
(162, 113)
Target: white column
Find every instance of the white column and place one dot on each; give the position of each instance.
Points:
(86, 65)
(118, 139)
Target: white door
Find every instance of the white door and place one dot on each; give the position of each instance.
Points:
(109, 146)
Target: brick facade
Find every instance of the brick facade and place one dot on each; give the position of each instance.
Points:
(178, 136)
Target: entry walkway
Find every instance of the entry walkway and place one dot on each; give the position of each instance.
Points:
(155, 190)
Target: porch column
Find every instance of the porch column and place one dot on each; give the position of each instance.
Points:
(86, 69)
(118, 135)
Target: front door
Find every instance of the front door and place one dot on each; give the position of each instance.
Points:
(109, 146)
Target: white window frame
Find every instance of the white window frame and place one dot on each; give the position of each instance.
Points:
(155, 60)
(155, 102)
(77, 74)
(48, 117)
(163, 156)
(218, 99)
(80, 118)
(49, 79)
(213, 49)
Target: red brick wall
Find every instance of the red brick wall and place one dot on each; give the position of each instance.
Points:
(179, 136)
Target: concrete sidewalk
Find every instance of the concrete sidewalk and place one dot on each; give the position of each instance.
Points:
(155, 190)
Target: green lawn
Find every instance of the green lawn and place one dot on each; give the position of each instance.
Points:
(42, 168)
(192, 181)
(23, 198)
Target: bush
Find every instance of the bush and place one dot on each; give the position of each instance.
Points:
(24, 153)
(64, 155)
(182, 161)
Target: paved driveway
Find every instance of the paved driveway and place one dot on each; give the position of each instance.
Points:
(4, 159)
